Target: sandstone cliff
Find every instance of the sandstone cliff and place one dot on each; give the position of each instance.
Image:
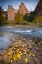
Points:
(11, 13)
(38, 8)
(22, 9)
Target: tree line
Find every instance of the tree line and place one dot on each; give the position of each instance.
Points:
(19, 19)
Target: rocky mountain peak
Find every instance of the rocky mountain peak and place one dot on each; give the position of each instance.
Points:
(22, 9)
(38, 8)
(11, 13)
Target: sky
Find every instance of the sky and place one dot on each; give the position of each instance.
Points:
(30, 4)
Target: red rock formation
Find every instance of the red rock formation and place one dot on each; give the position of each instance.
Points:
(22, 9)
(38, 8)
(11, 13)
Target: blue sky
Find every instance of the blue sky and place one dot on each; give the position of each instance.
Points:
(30, 4)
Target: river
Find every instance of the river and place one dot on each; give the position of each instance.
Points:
(6, 32)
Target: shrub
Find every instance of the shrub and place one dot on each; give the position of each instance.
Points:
(38, 19)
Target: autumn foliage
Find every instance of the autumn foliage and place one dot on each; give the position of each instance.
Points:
(38, 19)
(18, 18)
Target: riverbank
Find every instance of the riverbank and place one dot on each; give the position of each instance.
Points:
(22, 51)
(29, 25)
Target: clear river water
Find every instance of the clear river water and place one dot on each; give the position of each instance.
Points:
(6, 32)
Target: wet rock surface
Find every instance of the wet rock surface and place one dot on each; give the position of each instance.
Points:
(22, 49)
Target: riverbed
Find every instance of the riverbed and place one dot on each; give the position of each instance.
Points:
(9, 33)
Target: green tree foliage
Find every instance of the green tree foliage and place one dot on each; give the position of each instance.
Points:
(25, 17)
(2, 18)
(18, 18)
(29, 17)
(38, 19)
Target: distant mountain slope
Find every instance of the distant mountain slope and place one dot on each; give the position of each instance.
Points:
(38, 8)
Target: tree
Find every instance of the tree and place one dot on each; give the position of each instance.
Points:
(29, 17)
(25, 17)
(2, 18)
(18, 18)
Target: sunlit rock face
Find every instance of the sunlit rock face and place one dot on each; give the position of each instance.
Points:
(22, 9)
(38, 8)
(11, 13)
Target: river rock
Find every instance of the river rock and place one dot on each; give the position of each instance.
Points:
(30, 46)
(37, 60)
(31, 61)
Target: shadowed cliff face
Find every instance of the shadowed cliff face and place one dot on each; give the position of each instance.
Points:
(38, 8)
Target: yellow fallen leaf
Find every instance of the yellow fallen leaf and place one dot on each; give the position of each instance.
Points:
(8, 53)
(13, 47)
(18, 56)
(19, 41)
(17, 49)
(4, 52)
(24, 50)
(15, 57)
(26, 60)
(10, 56)
(9, 61)
(23, 45)
(31, 54)
(16, 46)
(20, 53)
